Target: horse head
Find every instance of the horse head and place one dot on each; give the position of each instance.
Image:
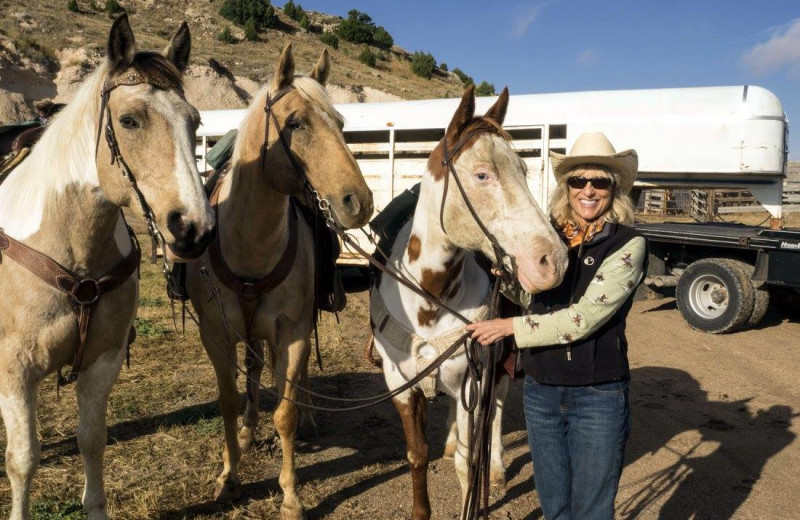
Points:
(492, 176)
(311, 129)
(153, 128)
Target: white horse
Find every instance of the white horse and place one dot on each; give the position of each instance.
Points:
(435, 249)
(64, 202)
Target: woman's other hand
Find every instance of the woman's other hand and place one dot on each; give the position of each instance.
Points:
(490, 331)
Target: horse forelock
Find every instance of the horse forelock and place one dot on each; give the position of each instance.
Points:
(478, 127)
(308, 88)
(156, 69)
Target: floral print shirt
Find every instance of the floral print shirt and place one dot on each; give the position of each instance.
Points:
(613, 283)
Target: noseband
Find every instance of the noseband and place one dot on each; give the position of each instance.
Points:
(504, 261)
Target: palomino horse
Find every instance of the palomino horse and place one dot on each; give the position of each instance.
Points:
(435, 249)
(64, 202)
(291, 137)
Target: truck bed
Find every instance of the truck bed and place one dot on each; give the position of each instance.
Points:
(739, 236)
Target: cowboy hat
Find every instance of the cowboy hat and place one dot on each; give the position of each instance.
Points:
(595, 148)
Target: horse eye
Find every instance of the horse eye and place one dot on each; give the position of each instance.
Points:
(294, 123)
(128, 122)
(482, 176)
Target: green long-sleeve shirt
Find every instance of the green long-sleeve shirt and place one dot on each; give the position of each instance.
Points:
(616, 277)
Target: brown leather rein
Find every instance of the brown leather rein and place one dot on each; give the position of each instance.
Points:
(85, 293)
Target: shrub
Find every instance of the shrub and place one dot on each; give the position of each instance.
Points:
(239, 11)
(226, 36)
(72, 5)
(93, 6)
(295, 12)
(290, 10)
(443, 67)
(358, 28)
(484, 89)
(422, 64)
(329, 39)
(250, 31)
(465, 80)
(382, 38)
(368, 57)
(305, 23)
(113, 7)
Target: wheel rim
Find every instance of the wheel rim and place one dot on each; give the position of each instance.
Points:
(708, 297)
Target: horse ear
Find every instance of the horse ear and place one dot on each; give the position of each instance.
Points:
(322, 69)
(284, 74)
(498, 110)
(463, 115)
(179, 47)
(121, 44)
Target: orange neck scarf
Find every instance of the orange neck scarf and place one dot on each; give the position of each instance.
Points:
(575, 235)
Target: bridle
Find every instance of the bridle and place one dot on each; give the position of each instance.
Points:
(504, 261)
(131, 78)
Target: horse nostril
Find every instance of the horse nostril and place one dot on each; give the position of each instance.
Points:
(543, 261)
(351, 203)
(175, 222)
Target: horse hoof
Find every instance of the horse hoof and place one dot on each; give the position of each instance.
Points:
(497, 478)
(227, 490)
(293, 513)
(449, 450)
(245, 438)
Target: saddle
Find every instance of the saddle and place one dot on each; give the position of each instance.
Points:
(388, 223)
(329, 294)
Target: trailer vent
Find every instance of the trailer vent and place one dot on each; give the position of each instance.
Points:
(558, 131)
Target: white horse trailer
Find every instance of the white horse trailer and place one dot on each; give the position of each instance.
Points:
(711, 137)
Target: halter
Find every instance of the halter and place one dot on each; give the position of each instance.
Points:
(131, 78)
(504, 261)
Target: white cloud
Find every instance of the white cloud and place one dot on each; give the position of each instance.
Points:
(586, 58)
(781, 51)
(525, 19)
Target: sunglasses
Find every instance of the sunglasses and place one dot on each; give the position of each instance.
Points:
(598, 183)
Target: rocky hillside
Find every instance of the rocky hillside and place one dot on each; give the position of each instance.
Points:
(46, 50)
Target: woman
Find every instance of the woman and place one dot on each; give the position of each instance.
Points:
(572, 339)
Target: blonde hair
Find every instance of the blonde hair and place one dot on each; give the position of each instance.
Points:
(621, 209)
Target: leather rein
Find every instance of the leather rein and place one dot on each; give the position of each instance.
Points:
(85, 293)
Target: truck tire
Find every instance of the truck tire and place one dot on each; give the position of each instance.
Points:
(760, 305)
(716, 295)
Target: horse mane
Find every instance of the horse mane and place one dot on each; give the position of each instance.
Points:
(65, 154)
(478, 125)
(308, 88)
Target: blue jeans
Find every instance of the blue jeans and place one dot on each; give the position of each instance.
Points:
(577, 437)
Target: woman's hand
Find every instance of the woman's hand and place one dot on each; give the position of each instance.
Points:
(488, 332)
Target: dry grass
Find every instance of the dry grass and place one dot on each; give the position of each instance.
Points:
(50, 26)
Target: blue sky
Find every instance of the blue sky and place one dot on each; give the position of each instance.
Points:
(562, 45)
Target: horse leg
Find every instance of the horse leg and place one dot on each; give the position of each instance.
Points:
(497, 469)
(18, 403)
(250, 418)
(413, 412)
(223, 358)
(308, 427)
(289, 361)
(93, 387)
(452, 431)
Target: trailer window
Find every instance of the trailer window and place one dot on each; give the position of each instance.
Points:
(372, 142)
(417, 142)
(558, 131)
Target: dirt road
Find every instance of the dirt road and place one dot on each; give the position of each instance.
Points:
(714, 432)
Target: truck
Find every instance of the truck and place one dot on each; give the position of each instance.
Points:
(723, 275)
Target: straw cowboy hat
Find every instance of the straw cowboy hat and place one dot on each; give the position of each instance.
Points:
(595, 148)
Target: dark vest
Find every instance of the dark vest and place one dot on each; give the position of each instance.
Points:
(601, 357)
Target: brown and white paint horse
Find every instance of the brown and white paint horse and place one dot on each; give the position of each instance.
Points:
(436, 250)
(64, 201)
(254, 213)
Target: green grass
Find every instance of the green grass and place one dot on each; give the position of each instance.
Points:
(52, 509)
(147, 328)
